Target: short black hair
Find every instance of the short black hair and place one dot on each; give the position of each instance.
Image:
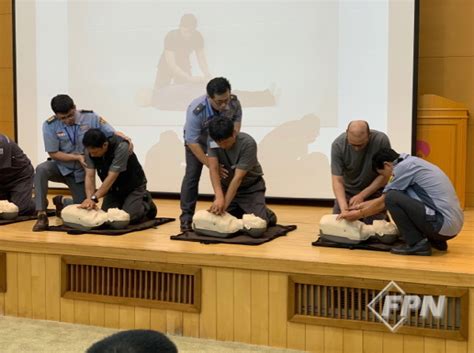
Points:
(62, 104)
(218, 85)
(94, 138)
(382, 156)
(221, 128)
(134, 341)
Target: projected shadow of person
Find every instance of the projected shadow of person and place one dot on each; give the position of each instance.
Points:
(164, 162)
(176, 85)
(286, 161)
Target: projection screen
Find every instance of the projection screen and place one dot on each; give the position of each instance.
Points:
(302, 70)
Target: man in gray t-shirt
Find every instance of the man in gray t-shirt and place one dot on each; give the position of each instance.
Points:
(123, 180)
(353, 179)
(242, 191)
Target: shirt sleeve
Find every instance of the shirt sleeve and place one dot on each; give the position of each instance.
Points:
(248, 156)
(105, 127)
(385, 143)
(119, 163)
(238, 112)
(51, 141)
(212, 152)
(5, 153)
(403, 175)
(192, 127)
(337, 164)
(89, 162)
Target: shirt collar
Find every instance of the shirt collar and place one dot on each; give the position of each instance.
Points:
(402, 157)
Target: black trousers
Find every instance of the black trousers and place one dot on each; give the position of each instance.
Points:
(411, 219)
(137, 203)
(252, 200)
(190, 185)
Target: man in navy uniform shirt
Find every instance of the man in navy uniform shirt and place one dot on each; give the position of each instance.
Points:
(63, 133)
(218, 102)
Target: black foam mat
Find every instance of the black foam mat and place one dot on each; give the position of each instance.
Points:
(104, 230)
(365, 245)
(3, 222)
(240, 238)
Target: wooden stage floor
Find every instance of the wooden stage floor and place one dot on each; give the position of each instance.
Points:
(292, 253)
(246, 291)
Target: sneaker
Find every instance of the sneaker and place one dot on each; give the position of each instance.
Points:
(41, 224)
(58, 203)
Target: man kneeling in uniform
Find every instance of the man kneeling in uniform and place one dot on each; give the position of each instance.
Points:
(123, 180)
(243, 190)
(421, 200)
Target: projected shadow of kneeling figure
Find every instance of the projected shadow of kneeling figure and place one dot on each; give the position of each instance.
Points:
(284, 153)
(175, 85)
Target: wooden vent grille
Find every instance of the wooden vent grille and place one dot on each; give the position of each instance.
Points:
(3, 272)
(154, 285)
(343, 302)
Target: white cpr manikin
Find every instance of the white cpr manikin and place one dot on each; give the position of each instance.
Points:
(8, 207)
(207, 223)
(356, 231)
(73, 215)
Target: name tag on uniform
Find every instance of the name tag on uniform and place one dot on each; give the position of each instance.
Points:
(60, 134)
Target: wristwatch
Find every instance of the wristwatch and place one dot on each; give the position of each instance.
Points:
(94, 198)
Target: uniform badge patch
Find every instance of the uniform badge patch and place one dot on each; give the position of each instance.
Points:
(102, 121)
(199, 109)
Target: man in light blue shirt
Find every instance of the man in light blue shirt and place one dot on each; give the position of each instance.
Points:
(218, 102)
(63, 133)
(421, 200)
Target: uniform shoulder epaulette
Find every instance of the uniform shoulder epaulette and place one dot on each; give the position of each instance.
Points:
(199, 108)
(51, 119)
(86, 111)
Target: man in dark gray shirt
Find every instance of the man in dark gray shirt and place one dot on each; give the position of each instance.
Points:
(242, 191)
(123, 180)
(353, 179)
(16, 176)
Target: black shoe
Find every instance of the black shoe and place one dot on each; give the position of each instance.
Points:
(58, 203)
(422, 248)
(186, 226)
(41, 224)
(441, 245)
